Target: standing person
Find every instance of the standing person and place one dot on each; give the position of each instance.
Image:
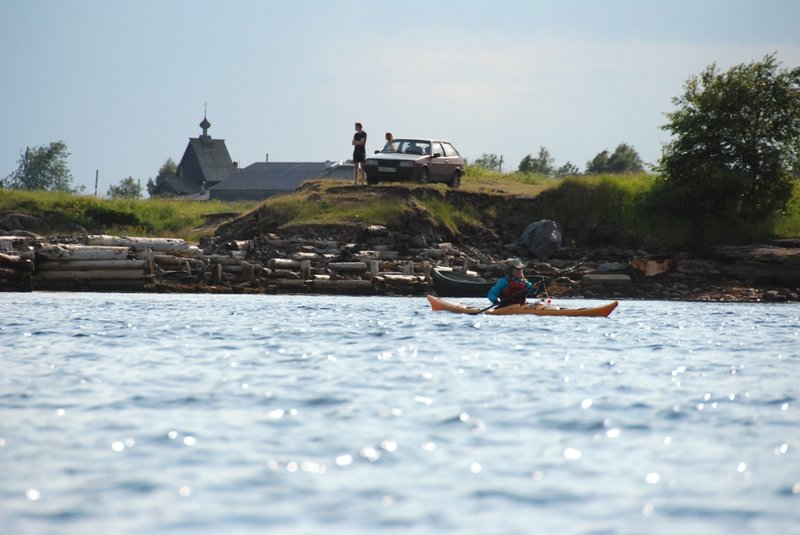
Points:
(359, 152)
(513, 287)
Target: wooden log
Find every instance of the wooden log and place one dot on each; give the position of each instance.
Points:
(284, 274)
(284, 263)
(16, 262)
(177, 261)
(305, 269)
(301, 256)
(377, 254)
(396, 278)
(90, 265)
(107, 240)
(349, 267)
(109, 274)
(172, 245)
(81, 252)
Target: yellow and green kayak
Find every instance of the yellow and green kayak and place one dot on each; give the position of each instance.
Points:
(536, 309)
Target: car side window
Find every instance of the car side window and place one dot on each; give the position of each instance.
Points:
(437, 148)
(449, 150)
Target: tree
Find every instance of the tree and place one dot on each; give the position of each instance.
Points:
(43, 168)
(167, 170)
(128, 188)
(568, 169)
(736, 141)
(541, 165)
(598, 165)
(624, 159)
(490, 162)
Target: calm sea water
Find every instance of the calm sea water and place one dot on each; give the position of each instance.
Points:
(209, 414)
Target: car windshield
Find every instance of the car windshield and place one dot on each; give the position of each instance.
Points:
(408, 146)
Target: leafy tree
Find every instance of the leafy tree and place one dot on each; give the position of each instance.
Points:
(43, 168)
(167, 170)
(128, 188)
(568, 169)
(736, 142)
(540, 165)
(624, 159)
(598, 165)
(490, 162)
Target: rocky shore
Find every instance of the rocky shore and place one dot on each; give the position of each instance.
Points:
(376, 260)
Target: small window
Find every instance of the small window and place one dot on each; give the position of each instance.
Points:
(449, 150)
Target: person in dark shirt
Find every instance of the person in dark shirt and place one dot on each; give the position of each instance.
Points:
(359, 153)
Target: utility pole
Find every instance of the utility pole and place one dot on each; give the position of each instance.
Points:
(501, 163)
(96, 176)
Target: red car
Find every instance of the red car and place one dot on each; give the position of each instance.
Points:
(417, 160)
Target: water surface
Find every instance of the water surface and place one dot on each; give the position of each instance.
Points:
(321, 414)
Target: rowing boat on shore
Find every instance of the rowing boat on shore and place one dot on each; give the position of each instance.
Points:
(454, 284)
(536, 309)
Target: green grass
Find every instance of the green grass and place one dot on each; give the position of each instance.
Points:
(480, 180)
(448, 215)
(315, 208)
(136, 217)
(622, 203)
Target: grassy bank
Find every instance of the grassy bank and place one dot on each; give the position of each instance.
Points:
(616, 203)
(136, 217)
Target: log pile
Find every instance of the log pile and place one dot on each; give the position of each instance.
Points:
(265, 264)
(87, 268)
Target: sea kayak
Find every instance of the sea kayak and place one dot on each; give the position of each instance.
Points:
(536, 309)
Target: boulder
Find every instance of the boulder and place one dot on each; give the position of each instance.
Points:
(542, 238)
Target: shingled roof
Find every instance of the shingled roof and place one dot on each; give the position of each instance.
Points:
(205, 162)
(264, 179)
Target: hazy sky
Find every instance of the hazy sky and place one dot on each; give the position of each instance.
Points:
(123, 83)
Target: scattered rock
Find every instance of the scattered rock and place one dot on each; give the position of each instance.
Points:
(542, 238)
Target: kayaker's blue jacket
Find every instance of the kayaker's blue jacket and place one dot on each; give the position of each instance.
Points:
(511, 287)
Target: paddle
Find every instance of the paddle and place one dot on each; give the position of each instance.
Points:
(539, 287)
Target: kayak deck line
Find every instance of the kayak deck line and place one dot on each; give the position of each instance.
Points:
(535, 309)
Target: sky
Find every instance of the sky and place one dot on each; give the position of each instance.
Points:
(125, 83)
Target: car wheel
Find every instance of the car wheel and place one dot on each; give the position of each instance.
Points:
(371, 180)
(423, 176)
(455, 180)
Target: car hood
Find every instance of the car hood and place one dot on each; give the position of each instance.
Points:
(397, 157)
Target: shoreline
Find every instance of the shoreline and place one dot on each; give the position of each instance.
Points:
(274, 265)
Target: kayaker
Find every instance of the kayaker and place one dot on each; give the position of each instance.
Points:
(513, 287)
